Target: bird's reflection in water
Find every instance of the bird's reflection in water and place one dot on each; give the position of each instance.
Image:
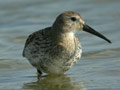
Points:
(52, 82)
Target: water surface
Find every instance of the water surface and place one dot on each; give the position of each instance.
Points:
(99, 67)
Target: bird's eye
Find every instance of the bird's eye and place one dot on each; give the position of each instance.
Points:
(73, 19)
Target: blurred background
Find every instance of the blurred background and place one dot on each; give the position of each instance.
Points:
(99, 67)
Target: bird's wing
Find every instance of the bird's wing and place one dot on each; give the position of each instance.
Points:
(29, 40)
(33, 36)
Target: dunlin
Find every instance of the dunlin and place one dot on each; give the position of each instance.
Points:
(55, 49)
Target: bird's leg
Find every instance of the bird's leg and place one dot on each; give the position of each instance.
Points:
(39, 73)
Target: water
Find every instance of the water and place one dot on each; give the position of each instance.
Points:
(99, 67)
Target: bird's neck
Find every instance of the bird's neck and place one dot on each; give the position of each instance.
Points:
(66, 40)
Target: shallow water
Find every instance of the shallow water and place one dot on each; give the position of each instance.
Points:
(99, 67)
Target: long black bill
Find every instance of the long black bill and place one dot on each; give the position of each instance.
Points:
(92, 31)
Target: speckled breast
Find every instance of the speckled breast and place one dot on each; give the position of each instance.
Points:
(49, 57)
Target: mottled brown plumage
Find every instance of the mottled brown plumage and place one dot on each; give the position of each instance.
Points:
(56, 49)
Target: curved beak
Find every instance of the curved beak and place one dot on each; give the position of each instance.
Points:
(92, 31)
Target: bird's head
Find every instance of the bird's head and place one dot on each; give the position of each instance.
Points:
(71, 22)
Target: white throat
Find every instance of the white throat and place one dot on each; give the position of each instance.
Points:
(71, 35)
